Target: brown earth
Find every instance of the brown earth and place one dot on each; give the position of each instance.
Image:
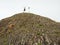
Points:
(29, 29)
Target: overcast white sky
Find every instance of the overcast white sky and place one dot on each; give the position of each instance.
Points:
(47, 8)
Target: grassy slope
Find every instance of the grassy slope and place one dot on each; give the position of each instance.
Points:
(26, 28)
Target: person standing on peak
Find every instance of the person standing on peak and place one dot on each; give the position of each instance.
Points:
(24, 9)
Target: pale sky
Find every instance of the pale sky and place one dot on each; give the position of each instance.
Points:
(47, 8)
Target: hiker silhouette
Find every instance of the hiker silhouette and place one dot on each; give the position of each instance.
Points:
(24, 9)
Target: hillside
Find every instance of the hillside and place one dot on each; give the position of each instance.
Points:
(29, 29)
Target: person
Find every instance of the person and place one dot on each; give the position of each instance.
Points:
(28, 7)
(24, 9)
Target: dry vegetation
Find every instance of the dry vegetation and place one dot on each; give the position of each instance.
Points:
(29, 29)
